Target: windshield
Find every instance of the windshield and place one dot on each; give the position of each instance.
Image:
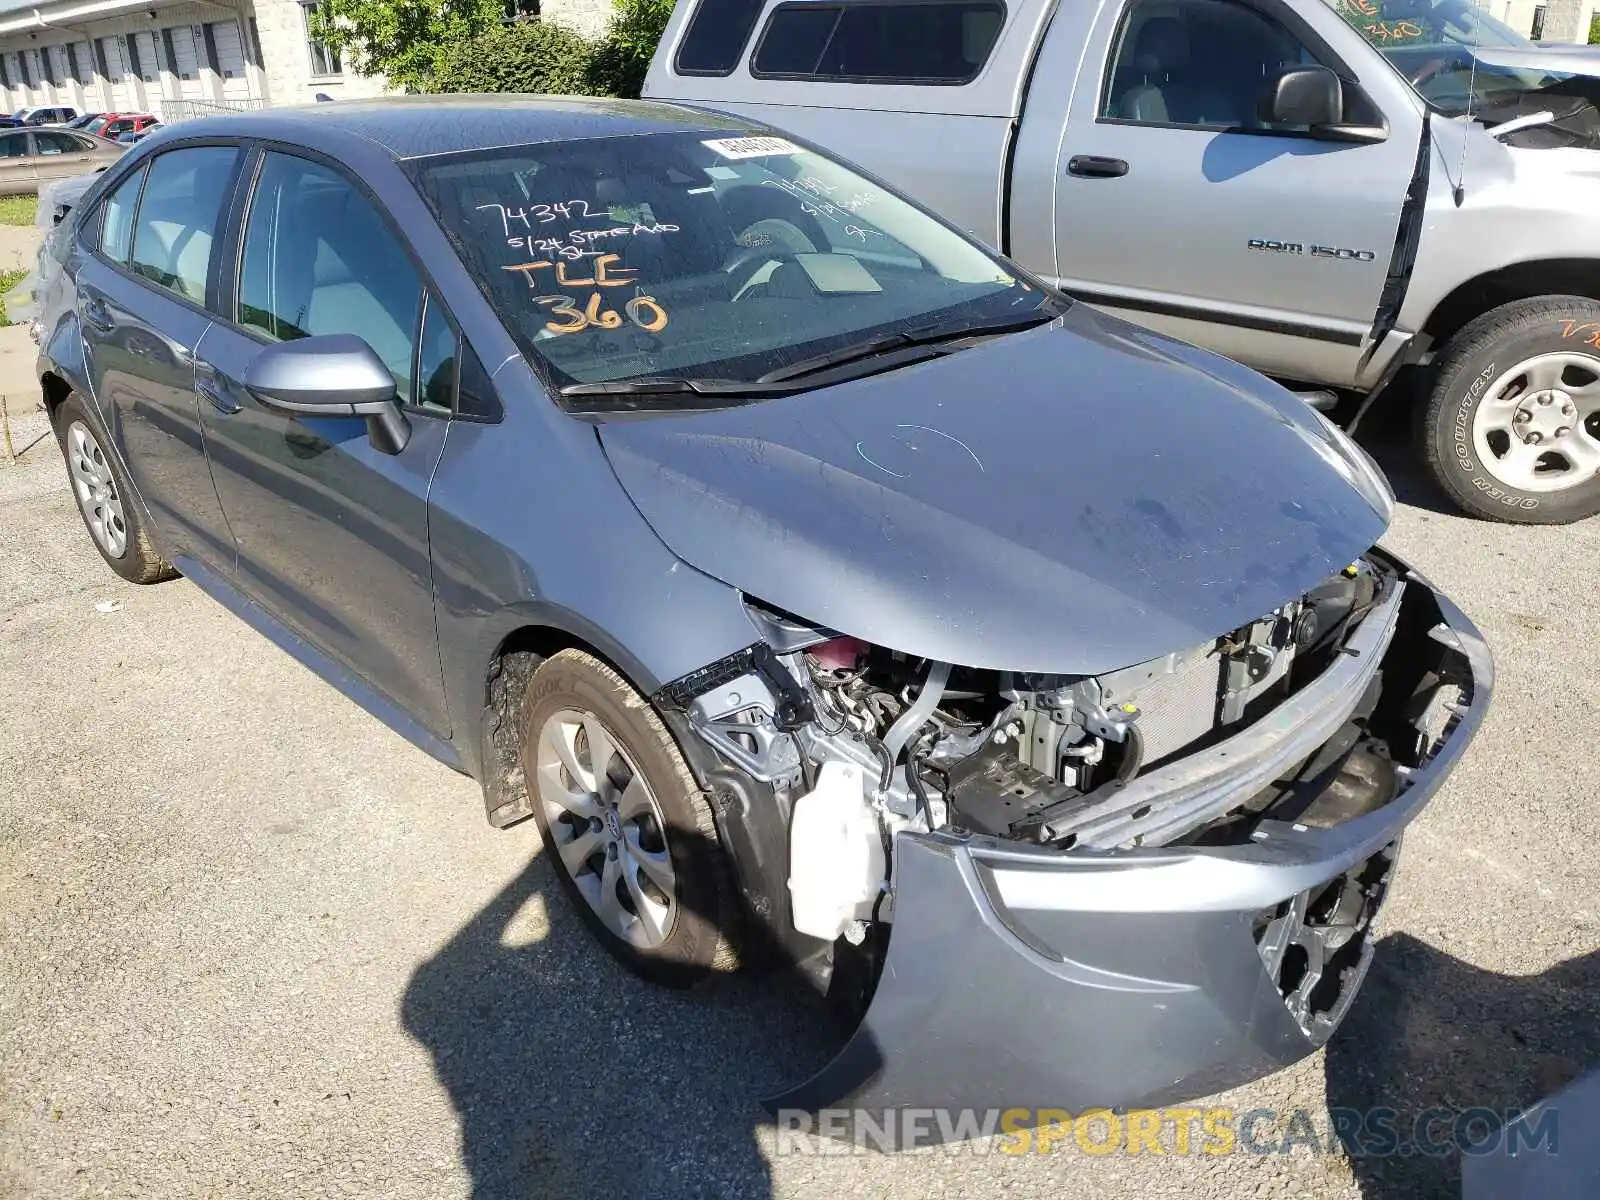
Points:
(1432, 44)
(704, 256)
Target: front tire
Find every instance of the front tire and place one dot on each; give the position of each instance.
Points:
(105, 497)
(627, 827)
(1512, 429)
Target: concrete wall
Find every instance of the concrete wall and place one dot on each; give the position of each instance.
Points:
(287, 55)
(1564, 20)
(588, 17)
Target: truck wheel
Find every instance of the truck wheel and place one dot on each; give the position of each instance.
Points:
(1512, 429)
(625, 823)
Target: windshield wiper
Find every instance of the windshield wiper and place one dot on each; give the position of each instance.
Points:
(918, 335)
(786, 380)
(655, 385)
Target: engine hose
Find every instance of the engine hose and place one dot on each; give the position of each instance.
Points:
(917, 715)
(885, 763)
(918, 788)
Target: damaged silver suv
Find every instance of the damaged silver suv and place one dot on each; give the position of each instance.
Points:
(824, 587)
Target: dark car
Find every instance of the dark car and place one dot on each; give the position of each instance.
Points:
(822, 585)
(85, 120)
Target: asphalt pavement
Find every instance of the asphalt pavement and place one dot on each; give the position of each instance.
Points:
(254, 944)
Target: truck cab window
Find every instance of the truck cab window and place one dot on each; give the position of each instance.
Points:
(1195, 63)
(933, 42)
(715, 39)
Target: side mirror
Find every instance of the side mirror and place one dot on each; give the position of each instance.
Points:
(332, 375)
(1314, 96)
(1302, 96)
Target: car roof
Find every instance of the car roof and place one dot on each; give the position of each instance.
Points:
(415, 126)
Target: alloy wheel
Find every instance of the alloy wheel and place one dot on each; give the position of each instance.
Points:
(1537, 428)
(607, 827)
(96, 489)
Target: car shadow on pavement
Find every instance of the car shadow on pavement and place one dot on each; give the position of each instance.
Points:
(1430, 1033)
(573, 1079)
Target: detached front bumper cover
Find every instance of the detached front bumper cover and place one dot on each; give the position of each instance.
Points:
(1020, 977)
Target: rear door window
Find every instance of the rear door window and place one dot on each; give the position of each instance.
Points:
(49, 141)
(934, 42)
(179, 216)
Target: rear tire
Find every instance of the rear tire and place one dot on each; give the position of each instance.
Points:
(629, 834)
(1511, 431)
(105, 497)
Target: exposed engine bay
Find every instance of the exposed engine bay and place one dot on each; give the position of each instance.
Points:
(859, 743)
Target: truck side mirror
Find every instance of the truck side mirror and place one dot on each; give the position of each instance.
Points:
(1302, 96)
(1314, 96)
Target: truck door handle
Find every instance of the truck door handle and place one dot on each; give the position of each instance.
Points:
(1093, 166)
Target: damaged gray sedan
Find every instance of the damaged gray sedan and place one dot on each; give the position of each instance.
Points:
(828, 590)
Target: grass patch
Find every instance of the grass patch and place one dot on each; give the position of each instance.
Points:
(18, 210)
(8, 280)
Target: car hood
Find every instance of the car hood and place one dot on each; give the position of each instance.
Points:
(1073, 499)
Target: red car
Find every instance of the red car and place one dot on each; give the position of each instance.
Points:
(109, 125)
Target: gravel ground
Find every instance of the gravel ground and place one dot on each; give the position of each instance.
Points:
(253, 944)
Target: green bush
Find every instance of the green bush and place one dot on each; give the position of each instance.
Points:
(529, 56)
(623, 55)
(534, 56)
(1594, 30)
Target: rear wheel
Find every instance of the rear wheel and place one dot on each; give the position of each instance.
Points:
(1512, 429)
(627, 827)
(105, 498)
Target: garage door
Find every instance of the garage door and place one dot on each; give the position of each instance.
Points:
(230, 60)
(116, 66)
(149, 58)
(82, 55)
(61, 72)
(29, 81)
(186, 60)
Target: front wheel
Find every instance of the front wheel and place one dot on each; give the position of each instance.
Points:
(629, 830)
(1512, 428)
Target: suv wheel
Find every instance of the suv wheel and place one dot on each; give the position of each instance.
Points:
(625, 824)
(1512, 429)
(105, 498)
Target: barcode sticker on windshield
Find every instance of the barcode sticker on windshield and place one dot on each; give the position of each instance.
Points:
(752, 147)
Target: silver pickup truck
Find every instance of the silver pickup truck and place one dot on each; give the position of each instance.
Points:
(1328, 190)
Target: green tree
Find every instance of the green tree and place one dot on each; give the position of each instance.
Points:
(528, 56)
(1594, 29)
(623, 55)
(403, 40)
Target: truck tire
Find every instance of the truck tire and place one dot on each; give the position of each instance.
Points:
(627, 827)
(105, 497)
(1512, 428)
